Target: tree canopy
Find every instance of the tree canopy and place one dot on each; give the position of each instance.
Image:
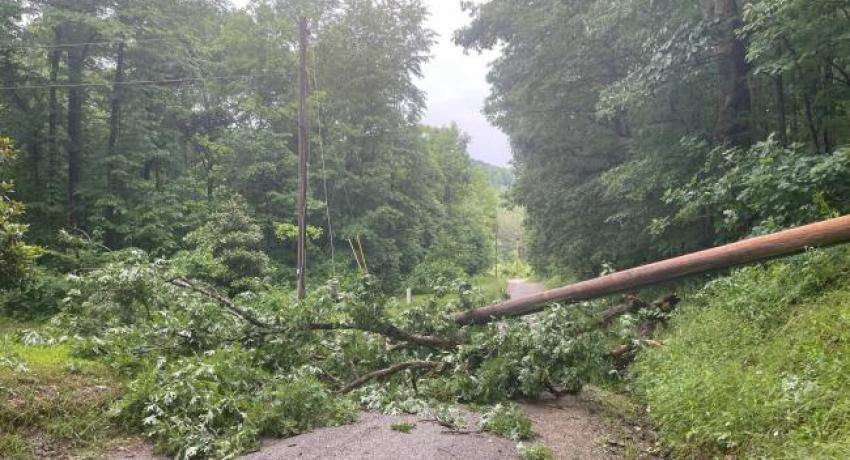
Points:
(141, 129)
(644, 129)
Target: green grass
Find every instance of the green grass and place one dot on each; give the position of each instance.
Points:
(403, 427)
(757, 364)
(52, 403)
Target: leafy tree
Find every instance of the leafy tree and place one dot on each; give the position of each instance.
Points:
(16, 256)
(227, 249)
(604, 103)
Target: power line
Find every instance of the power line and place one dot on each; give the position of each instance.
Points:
(74, 45)
(324, 169)
(140, 82)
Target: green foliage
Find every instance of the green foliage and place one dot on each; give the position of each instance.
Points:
(754, 364)
(499, 177)
(522, 358)
(207, 376)
(403, 427)
(433, 273)
(535, 451)
(288, 232)
(631, 141)
(38, 297)
(228, 248)
(145, 165)
(16, 256)
(764, 189)
(507, 421)
(219, 403)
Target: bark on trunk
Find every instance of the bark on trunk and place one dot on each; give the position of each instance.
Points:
(76, 58)
(734, 92)
(111, 236)
(53, 124)
(782, 121)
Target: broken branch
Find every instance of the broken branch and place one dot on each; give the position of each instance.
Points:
(394, 369)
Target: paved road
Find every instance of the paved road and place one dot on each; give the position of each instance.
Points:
(520, 288)
(371, 438)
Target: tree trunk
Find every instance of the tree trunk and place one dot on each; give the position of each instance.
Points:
(53, 124)
(76, 93)
(111, 236)
(781, 118)
(734, 102)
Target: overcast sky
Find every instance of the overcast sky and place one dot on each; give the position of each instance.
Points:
(456, 85)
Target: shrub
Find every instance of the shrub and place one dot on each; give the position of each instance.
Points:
(39, 296)
(228, 249)
(16, 257)
(507, 421)
(534, 451)
(219, 403)
(433, 273)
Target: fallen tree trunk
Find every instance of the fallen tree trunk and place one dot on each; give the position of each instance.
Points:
(758, 249)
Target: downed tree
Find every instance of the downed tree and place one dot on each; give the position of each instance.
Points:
(387, 330)
(394, 369)
(757, 249)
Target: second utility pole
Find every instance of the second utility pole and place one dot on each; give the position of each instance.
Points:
(303, 158)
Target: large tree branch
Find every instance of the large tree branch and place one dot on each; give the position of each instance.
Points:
(385, 329)
(394, 369)
(224, 301)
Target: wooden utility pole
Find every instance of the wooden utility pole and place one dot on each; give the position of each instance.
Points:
(752, 250)
(303, 158)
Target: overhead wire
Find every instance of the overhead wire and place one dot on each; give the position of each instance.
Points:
(140, 82)
(75, 45)
(324, 167)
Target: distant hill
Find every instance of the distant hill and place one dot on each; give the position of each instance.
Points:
(498, 176)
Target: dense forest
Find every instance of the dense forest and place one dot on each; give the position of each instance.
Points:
(135, 127)
(149, 162)
(643, 129)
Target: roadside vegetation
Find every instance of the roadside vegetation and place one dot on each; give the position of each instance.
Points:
(54, 403)
(147, 214)
(755, 364)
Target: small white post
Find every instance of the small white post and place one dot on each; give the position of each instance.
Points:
(409, 296)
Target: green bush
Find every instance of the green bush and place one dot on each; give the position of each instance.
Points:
(39, 296)
(756, 364)
(16, 257)
(228, 249)
(219, 404)
(507, 421)
(534, 451)
(433, 273)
